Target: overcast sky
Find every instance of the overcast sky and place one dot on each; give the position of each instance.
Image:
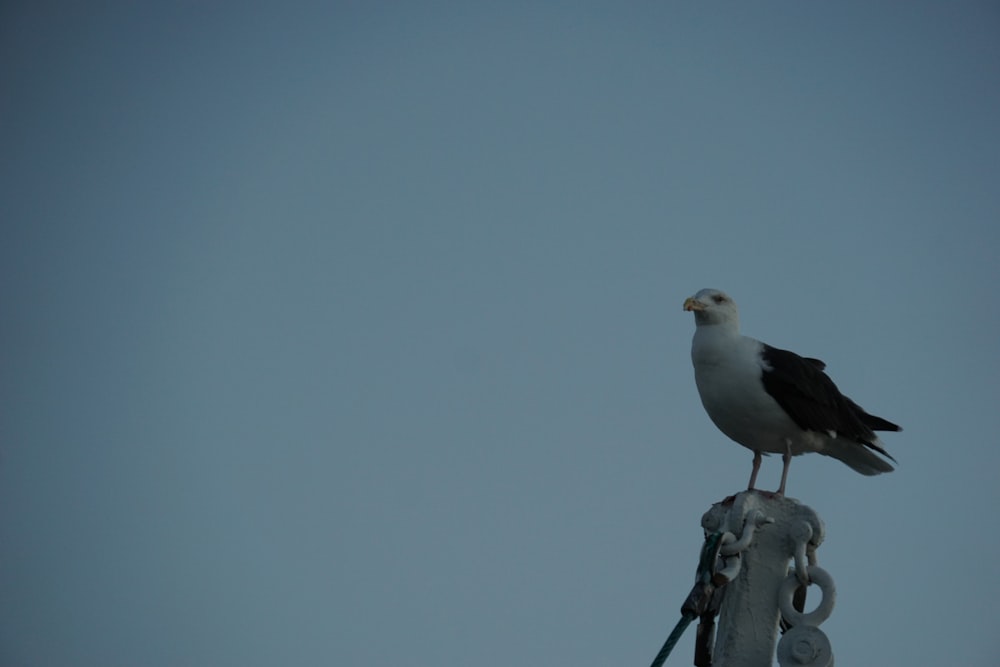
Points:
(352, 335)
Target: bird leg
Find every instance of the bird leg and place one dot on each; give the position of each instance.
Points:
(786, 460)
(756, 468)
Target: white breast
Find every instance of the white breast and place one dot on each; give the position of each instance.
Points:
(727, 370)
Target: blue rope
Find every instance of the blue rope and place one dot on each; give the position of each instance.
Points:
(698, 601)
(668, 645)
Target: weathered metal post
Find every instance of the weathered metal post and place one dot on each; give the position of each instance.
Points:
(761, 592)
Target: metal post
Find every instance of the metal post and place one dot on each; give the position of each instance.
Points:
(749, 614)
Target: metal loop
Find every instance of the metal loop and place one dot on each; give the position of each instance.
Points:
(802, 532)
(821, 578)
(754, 520)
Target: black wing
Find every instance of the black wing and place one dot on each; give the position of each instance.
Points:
(815, 362)
(814, 403)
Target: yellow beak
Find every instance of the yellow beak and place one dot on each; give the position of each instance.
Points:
(693, 304)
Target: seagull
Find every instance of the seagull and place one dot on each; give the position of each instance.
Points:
(774, 401)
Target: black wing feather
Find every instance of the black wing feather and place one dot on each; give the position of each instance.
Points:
(812, 400)
(818, 363)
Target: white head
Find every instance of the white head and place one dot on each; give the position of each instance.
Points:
(712, 306)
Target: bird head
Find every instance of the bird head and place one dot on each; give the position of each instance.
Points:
(712, 306)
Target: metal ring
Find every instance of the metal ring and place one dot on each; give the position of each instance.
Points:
(821, 578)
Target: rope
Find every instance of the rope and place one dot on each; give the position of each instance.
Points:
(698, 601)
(668, 645)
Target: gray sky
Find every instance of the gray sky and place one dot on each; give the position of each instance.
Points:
(353, 336)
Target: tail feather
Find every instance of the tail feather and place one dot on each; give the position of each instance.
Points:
(858, 456)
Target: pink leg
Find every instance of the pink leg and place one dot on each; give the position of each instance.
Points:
(786, 460)
(753, 473)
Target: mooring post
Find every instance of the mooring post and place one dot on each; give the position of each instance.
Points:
(760, 594)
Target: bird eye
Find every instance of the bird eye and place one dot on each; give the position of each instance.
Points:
(718, 298)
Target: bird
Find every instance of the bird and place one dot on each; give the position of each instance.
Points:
(774, 401)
